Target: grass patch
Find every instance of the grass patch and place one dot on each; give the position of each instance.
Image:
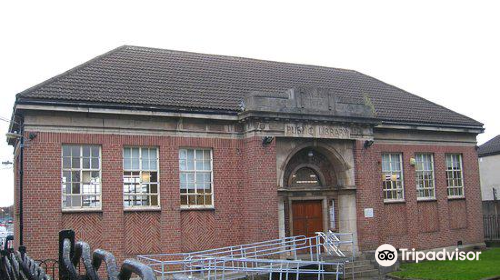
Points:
(487, 266)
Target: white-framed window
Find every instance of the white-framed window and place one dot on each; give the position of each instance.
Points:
(81, 177)
(141, 182)
(196, 178)
(454, 175)
(424, 169)
(392, 176)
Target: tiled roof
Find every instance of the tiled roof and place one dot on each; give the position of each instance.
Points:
(490, 148)
(175, 80)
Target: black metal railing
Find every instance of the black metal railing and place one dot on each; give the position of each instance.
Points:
(50, 266)
(76, 262)
(491, 226)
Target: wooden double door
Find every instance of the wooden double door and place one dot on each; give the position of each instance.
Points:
(307, 216)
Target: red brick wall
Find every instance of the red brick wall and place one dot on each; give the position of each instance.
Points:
(259, 196)
(413, 224)
(246, 203)
(240, 172)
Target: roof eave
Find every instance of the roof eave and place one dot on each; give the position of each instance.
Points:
(476, 129)
(135, 107)
(489, 154)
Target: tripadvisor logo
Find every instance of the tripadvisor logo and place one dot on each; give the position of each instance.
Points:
(387, 255)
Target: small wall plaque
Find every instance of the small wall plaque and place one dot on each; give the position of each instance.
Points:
(368, 212)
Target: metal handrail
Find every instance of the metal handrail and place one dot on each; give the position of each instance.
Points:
(271, 256)
(333, 241)
(213, 267)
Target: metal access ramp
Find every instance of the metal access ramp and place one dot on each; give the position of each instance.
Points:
(290, 258)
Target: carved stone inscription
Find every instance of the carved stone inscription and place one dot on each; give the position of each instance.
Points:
(315, 100)
(317, 131)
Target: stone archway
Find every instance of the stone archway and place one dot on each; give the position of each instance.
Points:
(343, 169)
(332, 162)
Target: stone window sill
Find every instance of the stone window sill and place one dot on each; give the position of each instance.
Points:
(456, 198)
(187, 208)
(426, 199)
(97, 210)
(394, 201)
(142, 209)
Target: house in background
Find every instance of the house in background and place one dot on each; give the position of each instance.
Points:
(145, 151)
(489, 169)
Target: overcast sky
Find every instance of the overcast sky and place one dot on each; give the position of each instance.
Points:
(445, 51)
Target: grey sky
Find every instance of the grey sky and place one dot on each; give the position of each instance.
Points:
(445, 51)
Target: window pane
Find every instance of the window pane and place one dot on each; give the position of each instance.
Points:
(184, 200)
(182, 154)
(190, 155)
(145, 164)
(86, 151)
(199, 165)
(76, 188)
(182, 165)
(135, 163)
(153, 164)
(127, 164)
(75, 176)
(86, 176)
(154, 176)
(75, 163)
(127, 153)
(145, 176)
(190, 164)
(66, 202)
(75, 151)
(95, 163)
(190, 177)
(66, 151)
(67, 188)
(66, 177)
(145, 153)
(86, 163)
(75, 201)
(199, 154)
(154, 188)
(154, 200)
(67, 162)
(95, 151)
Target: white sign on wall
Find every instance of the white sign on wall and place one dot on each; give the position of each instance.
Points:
(368, 212)
(332, 215)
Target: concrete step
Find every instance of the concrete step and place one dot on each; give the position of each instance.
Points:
(362, 273)
(358, 263)
(348, 270)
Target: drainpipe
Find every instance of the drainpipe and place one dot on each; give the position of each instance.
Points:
(21, 179)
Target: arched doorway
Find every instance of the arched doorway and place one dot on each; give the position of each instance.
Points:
(316, 187)
(310, 181)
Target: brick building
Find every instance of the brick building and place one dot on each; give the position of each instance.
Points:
(145, 151)
(489, 162)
